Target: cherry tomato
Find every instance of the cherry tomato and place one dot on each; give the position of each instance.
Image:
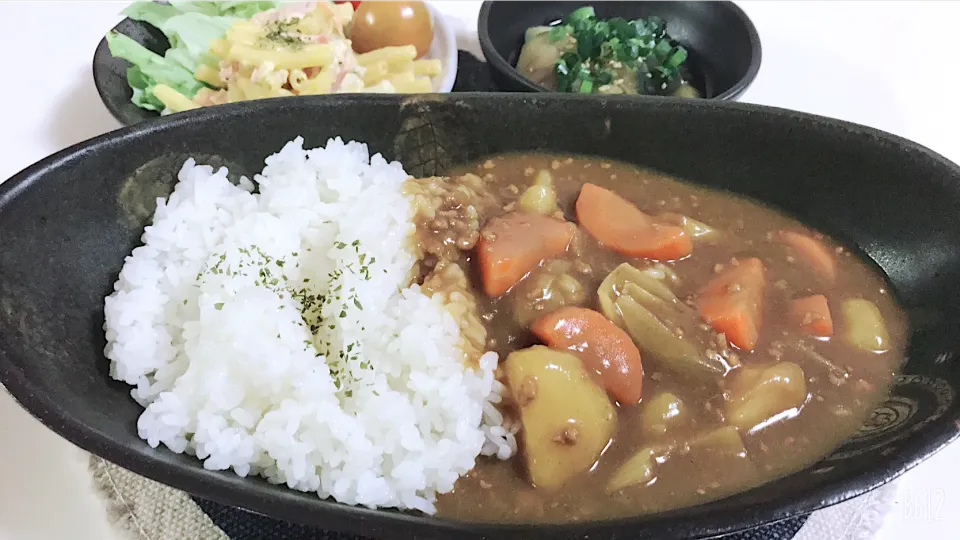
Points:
(379, 24)
(356, 3)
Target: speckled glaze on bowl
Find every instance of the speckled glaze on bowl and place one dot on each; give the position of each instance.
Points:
(110, 73)
(722, 42)
(69, 221)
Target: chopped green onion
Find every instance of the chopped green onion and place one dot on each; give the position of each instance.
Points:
(677, 58)
(608, 50)
(581, 14)
(662, 49)
(585, 44)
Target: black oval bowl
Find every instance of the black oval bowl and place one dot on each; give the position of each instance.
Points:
(723, 45)
(69, 221)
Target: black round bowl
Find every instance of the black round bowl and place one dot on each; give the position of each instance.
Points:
(110, 72)
(723, 45)
(68, 222)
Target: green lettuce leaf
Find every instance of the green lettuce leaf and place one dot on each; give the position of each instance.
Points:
(150, 69)
(141, 97)
(194, 32)
(152, 13)
(189, 26)
(205, 8)
(243, 9)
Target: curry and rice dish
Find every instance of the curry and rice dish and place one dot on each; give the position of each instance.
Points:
(540, 338)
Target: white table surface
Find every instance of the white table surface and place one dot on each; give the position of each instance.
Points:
(890, 65)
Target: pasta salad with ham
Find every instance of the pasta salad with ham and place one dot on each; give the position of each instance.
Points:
(223, 52)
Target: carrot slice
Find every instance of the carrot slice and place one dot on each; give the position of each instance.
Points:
(732, 303)
(813, 252)
(601, 345)
(811, 314)
(512, 245)
(622, 227)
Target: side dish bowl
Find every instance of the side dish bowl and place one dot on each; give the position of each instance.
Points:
(110, 72)
(70, 220)
(722, 42)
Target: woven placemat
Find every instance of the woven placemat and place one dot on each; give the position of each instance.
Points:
(142, 509)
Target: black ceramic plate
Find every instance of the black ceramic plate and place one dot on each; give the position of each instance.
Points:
(69, 221)
(723, 44)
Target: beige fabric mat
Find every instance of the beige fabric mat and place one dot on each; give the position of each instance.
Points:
(141, 509)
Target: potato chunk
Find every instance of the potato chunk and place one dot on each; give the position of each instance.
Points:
(863, 326)
(661, 412)
(761, 393)
(720, 449)
(635, 471)
(541, 197)
(567, 418)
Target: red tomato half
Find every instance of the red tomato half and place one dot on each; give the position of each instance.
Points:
(355, 4)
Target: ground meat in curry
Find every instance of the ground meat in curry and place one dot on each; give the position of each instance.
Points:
(707, 423)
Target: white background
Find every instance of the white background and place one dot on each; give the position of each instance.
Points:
(890, 65)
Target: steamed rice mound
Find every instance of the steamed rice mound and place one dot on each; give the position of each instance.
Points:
(270, 327)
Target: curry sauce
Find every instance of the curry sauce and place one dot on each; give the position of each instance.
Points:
(719, 411)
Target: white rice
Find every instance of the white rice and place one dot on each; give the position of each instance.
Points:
(211, 322)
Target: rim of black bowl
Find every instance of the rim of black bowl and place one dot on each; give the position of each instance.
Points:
(687, 522)
(100, 70)
(498, 62)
